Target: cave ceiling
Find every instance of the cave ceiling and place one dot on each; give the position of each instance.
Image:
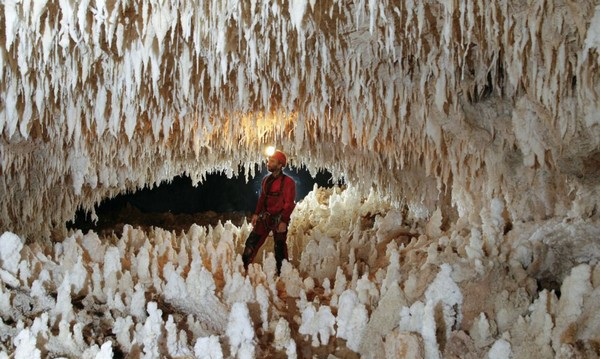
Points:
(435, 104)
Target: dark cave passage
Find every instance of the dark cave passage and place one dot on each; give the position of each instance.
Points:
(178, 204)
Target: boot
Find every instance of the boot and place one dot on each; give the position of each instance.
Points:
(280, 249)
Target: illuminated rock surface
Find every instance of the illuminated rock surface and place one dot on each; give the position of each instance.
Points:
(467, 132)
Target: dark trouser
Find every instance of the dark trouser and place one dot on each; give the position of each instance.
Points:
(256, 240)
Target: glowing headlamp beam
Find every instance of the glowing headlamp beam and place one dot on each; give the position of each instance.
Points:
(269, 150)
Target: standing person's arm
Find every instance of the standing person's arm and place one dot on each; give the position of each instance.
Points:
(260, 204)
(289, 195)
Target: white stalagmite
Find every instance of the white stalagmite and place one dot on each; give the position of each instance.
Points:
(281, 334)
(240, 332)
(570, 305)
(434, 306)
(25, 346)
(262, 296)
(10, 251)
(208, 348)
(346, 304)
(150, 334)
(501, 349)
(443, 290)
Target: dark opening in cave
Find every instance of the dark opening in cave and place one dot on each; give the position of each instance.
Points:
(176, 205)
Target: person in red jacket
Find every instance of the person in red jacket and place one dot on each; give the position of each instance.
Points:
(272, 214)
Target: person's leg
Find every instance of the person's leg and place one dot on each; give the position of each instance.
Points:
(280, 249)
(253, 244)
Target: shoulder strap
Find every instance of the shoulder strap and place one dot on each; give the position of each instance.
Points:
(265, 190)
(267, 187)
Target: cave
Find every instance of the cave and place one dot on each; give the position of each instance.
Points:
(460, 218)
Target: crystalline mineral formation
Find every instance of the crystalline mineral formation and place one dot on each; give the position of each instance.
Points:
(466, 133)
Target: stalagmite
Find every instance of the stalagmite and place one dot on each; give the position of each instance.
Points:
(412, 302)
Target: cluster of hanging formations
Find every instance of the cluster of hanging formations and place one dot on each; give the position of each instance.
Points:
(434, 104)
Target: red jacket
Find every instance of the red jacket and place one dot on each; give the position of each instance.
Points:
(277, 196)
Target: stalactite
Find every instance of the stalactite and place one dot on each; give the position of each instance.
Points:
(185, 85)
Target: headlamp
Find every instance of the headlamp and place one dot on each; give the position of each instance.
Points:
(269, 150)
